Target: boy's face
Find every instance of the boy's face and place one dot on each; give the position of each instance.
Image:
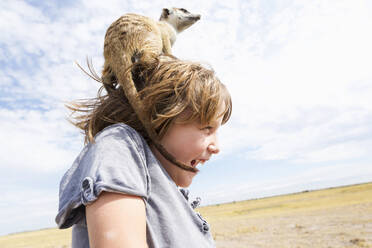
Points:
(190, 143)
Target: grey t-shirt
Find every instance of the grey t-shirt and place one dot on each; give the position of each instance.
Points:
(121, 161)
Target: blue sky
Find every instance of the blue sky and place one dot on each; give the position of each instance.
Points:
(298, 71)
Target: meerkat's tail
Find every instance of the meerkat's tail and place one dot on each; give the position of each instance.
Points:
(124, 78)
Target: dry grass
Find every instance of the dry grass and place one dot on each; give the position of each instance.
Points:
(46, 238)
(339, 217)
(332, 218)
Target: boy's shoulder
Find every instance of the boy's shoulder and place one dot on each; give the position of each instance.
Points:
(117, 127)
(120, 131)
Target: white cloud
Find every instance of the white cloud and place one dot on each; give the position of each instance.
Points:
(39, 141)
(314, 57)
(312, 135)
(275, 63)
(22, 208)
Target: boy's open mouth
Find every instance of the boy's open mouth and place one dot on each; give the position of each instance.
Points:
(195, 162)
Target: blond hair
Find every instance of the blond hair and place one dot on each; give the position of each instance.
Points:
(167, 88)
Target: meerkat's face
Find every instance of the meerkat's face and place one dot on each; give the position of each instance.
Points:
(179, 18)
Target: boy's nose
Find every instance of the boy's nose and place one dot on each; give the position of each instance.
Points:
(214, 147)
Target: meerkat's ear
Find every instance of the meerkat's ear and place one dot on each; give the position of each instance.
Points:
(165, 13)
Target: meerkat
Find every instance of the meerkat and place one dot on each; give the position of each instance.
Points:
(134, 38)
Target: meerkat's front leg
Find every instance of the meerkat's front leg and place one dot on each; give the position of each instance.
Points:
(167, 47)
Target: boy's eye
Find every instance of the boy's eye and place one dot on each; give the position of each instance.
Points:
(207, 128)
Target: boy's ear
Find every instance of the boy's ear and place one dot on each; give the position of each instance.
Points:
(165, 13)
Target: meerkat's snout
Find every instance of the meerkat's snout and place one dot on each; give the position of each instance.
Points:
(197, 17)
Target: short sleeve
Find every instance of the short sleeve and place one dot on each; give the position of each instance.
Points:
(114, 163)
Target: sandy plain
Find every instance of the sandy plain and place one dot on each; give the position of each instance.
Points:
(331, 218)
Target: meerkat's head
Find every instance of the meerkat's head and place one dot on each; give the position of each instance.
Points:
(179, 18)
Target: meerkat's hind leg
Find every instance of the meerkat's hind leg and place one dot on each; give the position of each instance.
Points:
(138, 78)
(136, 57)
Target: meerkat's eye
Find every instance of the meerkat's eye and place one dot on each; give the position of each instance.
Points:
(184, 10)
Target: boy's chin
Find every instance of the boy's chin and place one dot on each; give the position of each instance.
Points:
(186, 180)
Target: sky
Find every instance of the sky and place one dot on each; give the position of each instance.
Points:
(299, 73)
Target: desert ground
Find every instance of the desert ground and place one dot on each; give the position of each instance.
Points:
(331, 218)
